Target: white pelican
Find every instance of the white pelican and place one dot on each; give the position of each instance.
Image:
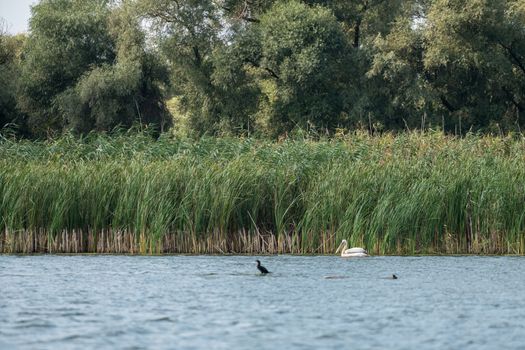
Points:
(352, 252)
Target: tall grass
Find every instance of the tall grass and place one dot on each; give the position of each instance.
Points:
(403, 194)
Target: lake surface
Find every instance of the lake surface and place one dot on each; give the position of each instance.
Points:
(211, 302)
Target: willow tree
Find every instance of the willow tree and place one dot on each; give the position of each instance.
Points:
(127, 91)
(301, 61)
(464, 62)
(85, 67)
(475, 59)
(188, 31)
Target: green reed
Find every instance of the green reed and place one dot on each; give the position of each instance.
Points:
(405, 194)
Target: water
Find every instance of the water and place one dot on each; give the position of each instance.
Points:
(208, 302)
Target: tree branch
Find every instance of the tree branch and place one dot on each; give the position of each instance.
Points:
(513, 55)
(510, 96)
(257, 65)
(250, 19)
(447, 104)
(243, 13)
(198, 58)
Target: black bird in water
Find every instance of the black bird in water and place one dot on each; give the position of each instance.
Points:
(261, 268)
(394, 277)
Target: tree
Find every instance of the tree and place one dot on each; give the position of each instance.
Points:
(66, 39)
(299, 58)
(397, 69)
(468, 56)
(128, 90)
(86, 68)
(188, 32)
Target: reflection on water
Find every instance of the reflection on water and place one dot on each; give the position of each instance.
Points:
(201, 302)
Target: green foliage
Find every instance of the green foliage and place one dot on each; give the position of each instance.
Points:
(412, 193)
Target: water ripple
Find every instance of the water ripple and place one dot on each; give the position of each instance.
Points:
(196, 302)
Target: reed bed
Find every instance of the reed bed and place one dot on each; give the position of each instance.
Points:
(406, 194)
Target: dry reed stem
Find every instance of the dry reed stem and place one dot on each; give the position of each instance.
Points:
(109, 241)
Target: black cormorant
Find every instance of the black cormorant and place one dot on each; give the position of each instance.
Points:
(261, 268)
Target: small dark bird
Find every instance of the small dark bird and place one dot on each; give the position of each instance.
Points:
(261, 268)
(394, 277)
